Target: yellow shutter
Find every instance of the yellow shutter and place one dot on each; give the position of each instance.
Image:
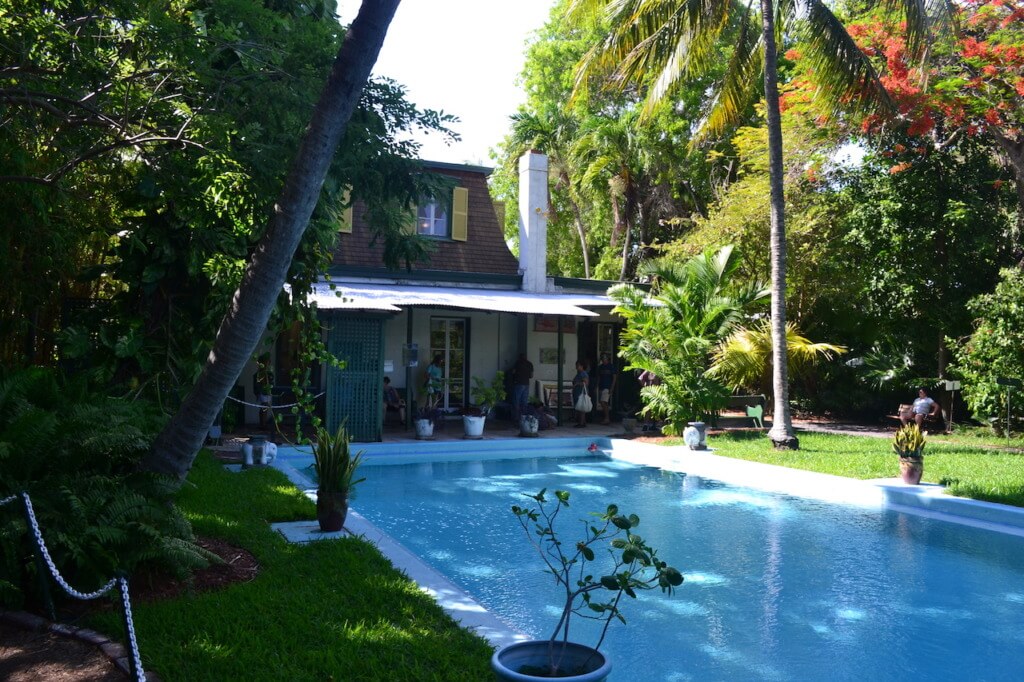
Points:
(346, 215)
(409, 227)
(499, 211)
(460, 214)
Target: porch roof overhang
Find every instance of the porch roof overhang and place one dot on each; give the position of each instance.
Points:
(393, 297)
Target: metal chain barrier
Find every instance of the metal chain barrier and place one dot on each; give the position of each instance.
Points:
(135, 662)
(264, 406)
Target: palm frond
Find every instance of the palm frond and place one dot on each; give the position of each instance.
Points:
(843, 74)
(739, 87)
(743, 359)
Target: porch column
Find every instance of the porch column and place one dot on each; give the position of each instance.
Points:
(409, 388)
(561, 373)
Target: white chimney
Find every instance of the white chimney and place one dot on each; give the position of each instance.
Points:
(533, 221)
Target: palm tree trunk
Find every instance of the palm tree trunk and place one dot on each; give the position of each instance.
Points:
(577, 215)
(781, 433)
(246, 320)
(581, 230)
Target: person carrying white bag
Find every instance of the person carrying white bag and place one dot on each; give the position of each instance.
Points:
(581, 394)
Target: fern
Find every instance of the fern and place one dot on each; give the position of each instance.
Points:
(76, 454)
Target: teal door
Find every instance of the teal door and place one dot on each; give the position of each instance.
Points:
(355, 393)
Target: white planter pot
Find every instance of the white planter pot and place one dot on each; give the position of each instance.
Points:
(528, 426)
(474, 427)
(424, 429)
(508, 661)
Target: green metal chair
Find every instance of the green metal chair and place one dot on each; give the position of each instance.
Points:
(756, 413)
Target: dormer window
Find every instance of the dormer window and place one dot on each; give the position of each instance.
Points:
(432, 219)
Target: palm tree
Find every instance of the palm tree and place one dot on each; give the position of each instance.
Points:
(697, 304)
(246, 320)
(658, 42)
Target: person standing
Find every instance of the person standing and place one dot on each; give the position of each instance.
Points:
(606, 380)
(580, 385)
(434, 380)
(522, 374)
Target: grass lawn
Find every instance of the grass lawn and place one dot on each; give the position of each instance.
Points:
(982, 435)
(967, 470)
(332, 610)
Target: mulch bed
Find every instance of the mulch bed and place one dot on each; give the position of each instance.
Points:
(32, 654)
(239, 566)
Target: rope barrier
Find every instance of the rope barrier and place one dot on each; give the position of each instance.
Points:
(135, 663)
(264, 406)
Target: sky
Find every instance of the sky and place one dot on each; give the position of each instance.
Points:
(463, 57)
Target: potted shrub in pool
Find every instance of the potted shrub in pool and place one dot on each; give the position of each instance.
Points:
(335, 470)
(632, 566)
(486, 396)
(909, 445)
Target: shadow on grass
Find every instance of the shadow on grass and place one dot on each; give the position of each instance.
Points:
(326, 610)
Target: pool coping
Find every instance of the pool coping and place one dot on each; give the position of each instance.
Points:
(928, 500)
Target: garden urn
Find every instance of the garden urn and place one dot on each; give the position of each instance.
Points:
(530, 661)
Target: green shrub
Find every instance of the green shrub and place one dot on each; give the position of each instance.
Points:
(75, 453)
(994, 349)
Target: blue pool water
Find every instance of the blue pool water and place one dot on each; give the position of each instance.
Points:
(777, 587)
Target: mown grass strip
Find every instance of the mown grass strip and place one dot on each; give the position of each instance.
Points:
(327, 610)
(980, 473)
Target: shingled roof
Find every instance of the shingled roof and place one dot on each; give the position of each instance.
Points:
(484, 250)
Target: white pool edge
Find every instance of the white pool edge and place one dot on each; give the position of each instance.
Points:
(929, 501)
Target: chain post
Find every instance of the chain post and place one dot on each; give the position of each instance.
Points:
(42, 570)
(134, 661)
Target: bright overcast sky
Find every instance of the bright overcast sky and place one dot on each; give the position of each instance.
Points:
(462, 57)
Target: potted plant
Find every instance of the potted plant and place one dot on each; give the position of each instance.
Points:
(909, 445)
(424, 420)
(486, 396)
(632, 566)
(335, 470)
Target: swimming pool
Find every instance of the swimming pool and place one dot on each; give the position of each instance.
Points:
(778, 587)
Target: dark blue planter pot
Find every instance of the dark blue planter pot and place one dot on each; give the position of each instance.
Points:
(593, 666)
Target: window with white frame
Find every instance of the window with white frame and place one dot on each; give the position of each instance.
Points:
(432, 219)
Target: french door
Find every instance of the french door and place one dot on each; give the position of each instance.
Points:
(448, 339)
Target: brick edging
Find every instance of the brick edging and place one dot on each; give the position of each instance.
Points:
(115, 652)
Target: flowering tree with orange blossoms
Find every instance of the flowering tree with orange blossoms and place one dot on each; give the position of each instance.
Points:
(970, 83)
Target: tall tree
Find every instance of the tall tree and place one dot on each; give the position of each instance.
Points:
(176, 446)
(971, 85)
(676, 39)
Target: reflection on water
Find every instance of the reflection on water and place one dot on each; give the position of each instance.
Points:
(777, 588)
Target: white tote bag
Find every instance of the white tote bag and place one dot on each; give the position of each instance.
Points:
(584, 403)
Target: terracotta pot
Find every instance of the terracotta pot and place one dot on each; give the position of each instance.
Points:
(331, 511)
(911, 469)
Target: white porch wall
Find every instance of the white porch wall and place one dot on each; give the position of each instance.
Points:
(492, 339)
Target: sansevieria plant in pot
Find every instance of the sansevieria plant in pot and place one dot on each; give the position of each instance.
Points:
(335, 469)
(586, 590)
(909, 445)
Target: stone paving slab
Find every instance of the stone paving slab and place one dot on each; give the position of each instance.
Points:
(306, 531)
